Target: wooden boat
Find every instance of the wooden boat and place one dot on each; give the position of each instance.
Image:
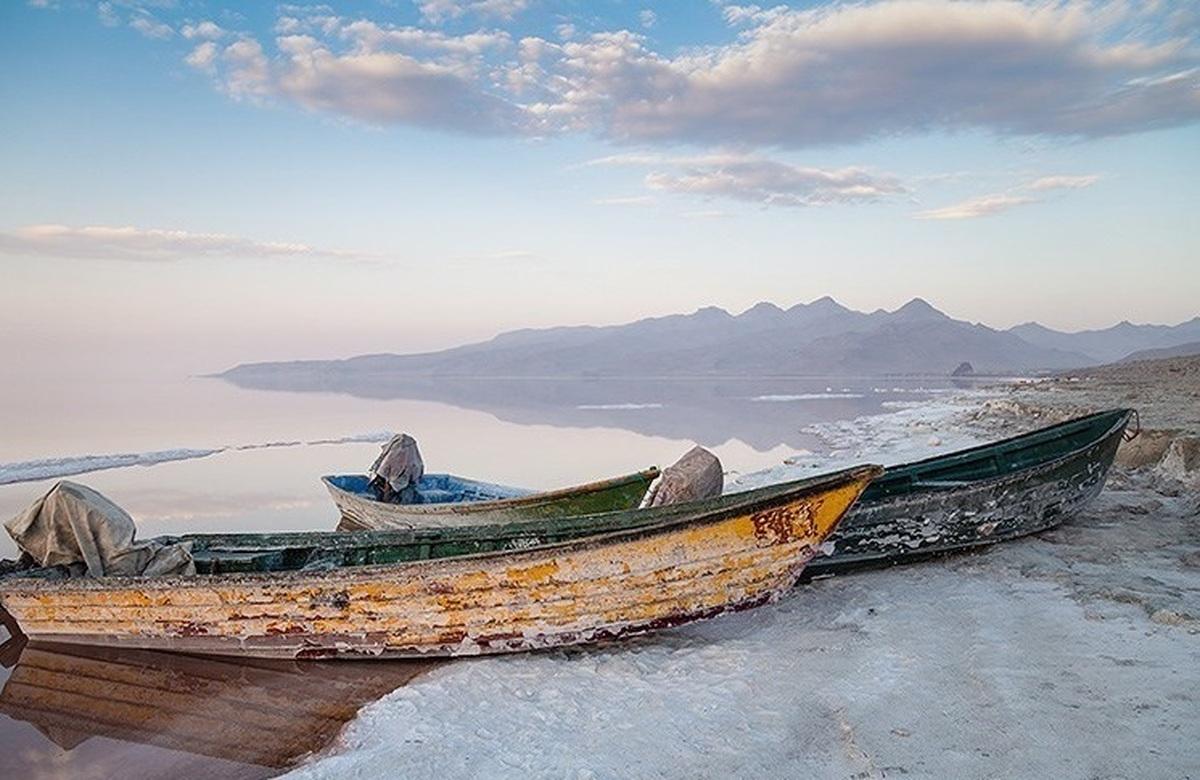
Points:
(396, 594)
(448, 500)
(259, 712)
(978, 496)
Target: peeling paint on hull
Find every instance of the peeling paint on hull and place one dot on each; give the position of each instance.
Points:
(600, 587)
(885, 531)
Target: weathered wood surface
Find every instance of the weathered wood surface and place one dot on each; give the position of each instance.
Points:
(740, 551)
(894, 527)
(610, 495)
(266, 713)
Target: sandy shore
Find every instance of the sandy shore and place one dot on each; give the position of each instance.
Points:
(1071, 654)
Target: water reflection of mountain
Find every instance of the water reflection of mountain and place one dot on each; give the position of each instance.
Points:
(762, 412)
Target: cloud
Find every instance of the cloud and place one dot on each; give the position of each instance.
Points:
(647, 18)
(848, 72)
(206, 30)
(758, 180)
(983, 206)
(438, 11)
(790, 78)
(987, 205)
(382, 74)
(147, 244)
(1063, 182)
(151, 27)
(203, 56)
(107, 14)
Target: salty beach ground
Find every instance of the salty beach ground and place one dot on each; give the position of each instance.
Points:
(1072, 654)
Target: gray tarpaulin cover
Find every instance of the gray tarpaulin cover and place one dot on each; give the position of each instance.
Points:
(77, 527)
(696, 475)
(400, 468)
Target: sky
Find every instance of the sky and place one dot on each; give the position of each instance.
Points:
(197, 184)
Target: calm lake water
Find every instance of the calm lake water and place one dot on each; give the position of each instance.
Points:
(79, 713)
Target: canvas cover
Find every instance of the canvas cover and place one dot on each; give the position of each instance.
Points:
(397, 470)
(697, 475)
(77, 527)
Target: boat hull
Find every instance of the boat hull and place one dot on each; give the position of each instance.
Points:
(886, 530)
(360, 512)
(739, 553)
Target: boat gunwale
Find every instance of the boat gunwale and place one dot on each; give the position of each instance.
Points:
(471, 507)
(691, 514)
(1123, 414)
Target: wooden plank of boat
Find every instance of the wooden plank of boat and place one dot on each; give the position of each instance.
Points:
(258, 712)
(979, 496)
(457, 501)
(689, 562)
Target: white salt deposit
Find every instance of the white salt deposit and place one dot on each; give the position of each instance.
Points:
(52, 468)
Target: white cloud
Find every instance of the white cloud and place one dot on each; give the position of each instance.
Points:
(983, 206)
(1063, 182)
(151, 27)
(745, 14)
(206, 31)
(647, 18)
(834, 74)
(438, 11)
(378, 73)
(758, 180)
(149, 244)
(107, 14)
(987, 205)
(247, 71)
(203, 56)
(846, 72)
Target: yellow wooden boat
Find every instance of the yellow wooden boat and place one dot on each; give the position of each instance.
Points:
(681, 563)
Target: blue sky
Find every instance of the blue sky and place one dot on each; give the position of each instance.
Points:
(222, 182)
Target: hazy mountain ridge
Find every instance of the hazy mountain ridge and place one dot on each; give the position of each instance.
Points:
(818, 338)
(1111, 344)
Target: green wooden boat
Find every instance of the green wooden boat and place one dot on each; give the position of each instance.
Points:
(448, 500)
(964, 499)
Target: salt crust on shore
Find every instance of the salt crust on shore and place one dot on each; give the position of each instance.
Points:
(1070, 655)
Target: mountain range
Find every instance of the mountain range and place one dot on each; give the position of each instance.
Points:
(821, 338)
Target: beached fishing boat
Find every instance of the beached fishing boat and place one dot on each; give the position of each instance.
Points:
(447, 500)
(261, 712)
(396, 594)
(978, 496)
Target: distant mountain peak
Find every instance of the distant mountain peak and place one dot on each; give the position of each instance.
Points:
(823, 305)
(918, 308)
(711, 312)
(760, 309)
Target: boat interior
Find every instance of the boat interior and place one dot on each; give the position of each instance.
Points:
(434, 488)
